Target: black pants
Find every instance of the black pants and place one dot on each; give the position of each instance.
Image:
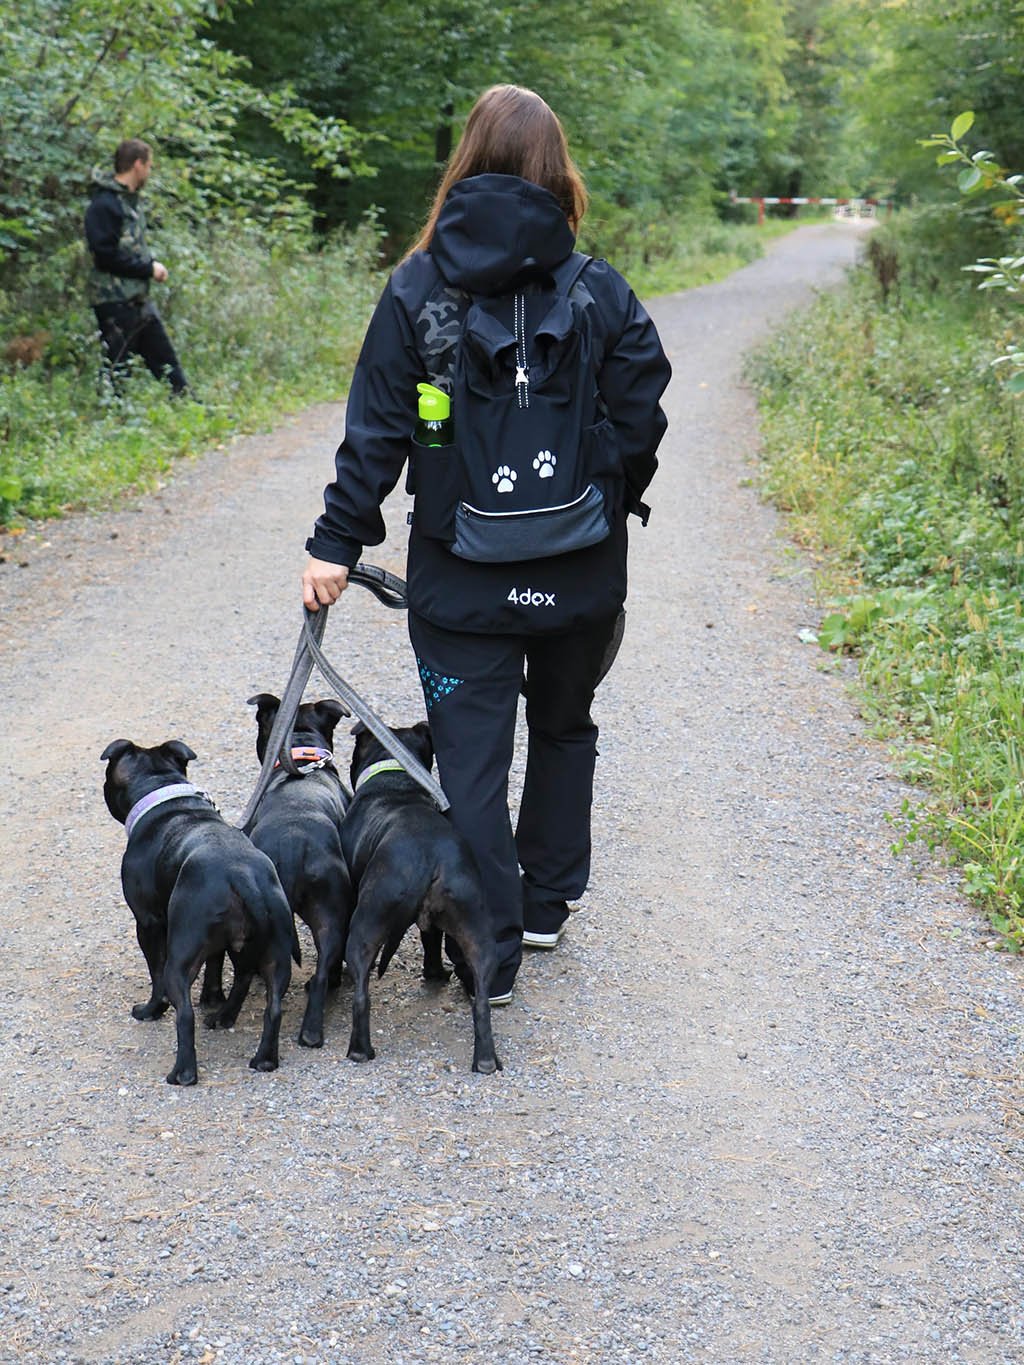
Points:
(471, 685)
(136, 329)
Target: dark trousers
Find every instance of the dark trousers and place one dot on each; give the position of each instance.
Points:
(136, 329)
(471, 685)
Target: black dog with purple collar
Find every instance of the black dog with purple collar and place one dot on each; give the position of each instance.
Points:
(197, 888)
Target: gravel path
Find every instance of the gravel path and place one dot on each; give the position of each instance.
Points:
(762, 1105)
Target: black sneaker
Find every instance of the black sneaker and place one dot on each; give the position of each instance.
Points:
(499, 997)
(544, 919)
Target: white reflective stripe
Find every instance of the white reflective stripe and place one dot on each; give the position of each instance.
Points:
(532, 511)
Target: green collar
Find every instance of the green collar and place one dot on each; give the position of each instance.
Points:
(386, 765)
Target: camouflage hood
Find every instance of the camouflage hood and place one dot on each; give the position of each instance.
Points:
(104, 179)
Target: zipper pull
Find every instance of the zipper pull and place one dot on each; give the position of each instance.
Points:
(521, 376)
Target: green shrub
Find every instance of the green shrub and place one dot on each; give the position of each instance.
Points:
(258, 332)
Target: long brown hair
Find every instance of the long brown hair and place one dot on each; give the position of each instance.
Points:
(512, 131)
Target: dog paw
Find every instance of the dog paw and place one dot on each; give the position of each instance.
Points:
(149, 1010)
(212, 999)
(259, 1063)
(356, 1055)
(185, 1075)
(487, 1066)
(441, 975)
(219, 1019)
(310, 1038)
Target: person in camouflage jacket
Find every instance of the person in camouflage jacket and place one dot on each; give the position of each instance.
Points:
(115, 230)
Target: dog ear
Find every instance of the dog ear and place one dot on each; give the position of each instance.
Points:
(422, 732)
(178, 752)
(358, 729)
(116, 749)
(264, 702)
(328, 713)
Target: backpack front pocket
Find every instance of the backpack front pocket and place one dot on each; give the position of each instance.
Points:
(509, 537)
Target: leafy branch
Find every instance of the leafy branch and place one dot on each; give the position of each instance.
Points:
(980, 172)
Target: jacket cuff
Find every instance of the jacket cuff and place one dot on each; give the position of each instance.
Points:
(334, 550)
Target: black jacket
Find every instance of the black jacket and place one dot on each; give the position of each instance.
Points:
(115, 231)
(493, 230)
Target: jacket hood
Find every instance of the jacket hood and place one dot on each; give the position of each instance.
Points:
(102, 179)
(494, 227)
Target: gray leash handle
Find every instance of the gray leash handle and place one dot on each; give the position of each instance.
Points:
(278, 749)
(351, 698)
(390, 590)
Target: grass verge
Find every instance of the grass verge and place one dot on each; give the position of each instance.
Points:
(898, 456)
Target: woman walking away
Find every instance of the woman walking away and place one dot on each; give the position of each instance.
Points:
(547, 422)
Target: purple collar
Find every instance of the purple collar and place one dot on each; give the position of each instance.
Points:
(157, 798)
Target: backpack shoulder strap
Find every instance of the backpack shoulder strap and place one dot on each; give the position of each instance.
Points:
(567, 272)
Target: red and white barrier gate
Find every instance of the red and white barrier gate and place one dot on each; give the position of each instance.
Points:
(858, 208)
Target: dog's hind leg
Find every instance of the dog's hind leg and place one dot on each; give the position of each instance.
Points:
(329, 951)
(182, 969)
(276, 970)
(276, 975)
(480, 957)
(433, 964)
(212, 993)
(360, 954)
(224, 1015)
(153, 942)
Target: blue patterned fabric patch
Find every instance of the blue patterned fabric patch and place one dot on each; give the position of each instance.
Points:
(436, 686)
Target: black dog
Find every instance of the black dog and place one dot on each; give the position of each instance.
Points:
(197, 888)
(298, 827)
(409, 865)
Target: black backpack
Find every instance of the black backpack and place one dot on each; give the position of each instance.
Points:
(532, 471)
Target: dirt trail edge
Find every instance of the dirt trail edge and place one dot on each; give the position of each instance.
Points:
(763, 1104)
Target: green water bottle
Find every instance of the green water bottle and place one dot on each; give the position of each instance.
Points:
(434, 426)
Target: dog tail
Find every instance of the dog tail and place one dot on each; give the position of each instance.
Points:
(296, 946)
(388, 951)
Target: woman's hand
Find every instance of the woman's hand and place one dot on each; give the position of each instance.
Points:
(323, 583)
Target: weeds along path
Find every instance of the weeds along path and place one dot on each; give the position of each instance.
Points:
(763, 1103)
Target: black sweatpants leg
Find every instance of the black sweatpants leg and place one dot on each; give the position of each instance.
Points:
(471, 690)
(553, 832)
(471, 684)
(131, 329)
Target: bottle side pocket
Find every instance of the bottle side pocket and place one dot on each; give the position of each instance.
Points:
(434, 478)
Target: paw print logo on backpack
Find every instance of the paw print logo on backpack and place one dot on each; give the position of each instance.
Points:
(545, 463)
(505, 478)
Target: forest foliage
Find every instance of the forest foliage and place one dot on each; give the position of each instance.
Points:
(295, 114)
(299, 141)
(298, 117)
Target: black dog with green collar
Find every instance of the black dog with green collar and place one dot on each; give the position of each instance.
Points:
(409, 865)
